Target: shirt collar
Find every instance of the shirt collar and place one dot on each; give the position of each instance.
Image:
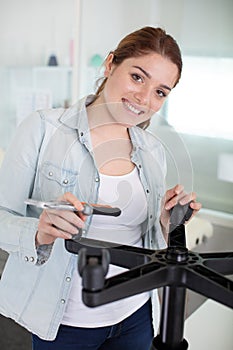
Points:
(75, 117)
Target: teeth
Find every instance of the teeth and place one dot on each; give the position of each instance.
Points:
(132, 108)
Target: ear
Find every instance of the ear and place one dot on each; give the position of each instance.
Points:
(108, 64)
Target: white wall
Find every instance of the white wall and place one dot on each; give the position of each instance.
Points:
(103, 24)
(201, 27)
(30, 30)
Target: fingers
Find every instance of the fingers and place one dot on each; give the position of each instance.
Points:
(195, 206)
(178, 195)
(173, 192)
(69, 197)
(64, 220)
(60, 223)
(52, 226)
(173, 196)
(186, 198)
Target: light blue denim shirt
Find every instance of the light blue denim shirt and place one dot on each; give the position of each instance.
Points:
(51, 154)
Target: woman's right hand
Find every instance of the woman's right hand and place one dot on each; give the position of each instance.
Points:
(60, 223)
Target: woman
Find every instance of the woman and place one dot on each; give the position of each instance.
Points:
(98, 152)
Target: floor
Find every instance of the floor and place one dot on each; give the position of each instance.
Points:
(210, 327)
(12, 336)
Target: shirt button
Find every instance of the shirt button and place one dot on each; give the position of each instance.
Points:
(26, 258)
(147, 191)
(97, 179)
(63, 301)
(68, 279)
(81, 133)
(139, 166)
(50, 173)
(151, 216)
(31, 259)
(65, 181)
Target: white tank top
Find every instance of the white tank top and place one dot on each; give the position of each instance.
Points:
(125, 192)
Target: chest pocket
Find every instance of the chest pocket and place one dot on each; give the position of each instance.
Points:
(54, 181)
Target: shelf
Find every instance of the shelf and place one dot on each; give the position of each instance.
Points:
(29, 89)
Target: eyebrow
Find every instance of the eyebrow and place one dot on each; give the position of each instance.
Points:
(149, 76)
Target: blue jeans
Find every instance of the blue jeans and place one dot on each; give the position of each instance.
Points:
(133, 333)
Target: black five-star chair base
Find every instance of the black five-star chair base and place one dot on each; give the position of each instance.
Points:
(174, 268)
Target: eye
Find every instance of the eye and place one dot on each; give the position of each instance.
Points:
(161, 93)
(136, 77)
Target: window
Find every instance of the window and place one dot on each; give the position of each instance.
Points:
(201, 104)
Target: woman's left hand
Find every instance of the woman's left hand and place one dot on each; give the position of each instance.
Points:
(172, 197)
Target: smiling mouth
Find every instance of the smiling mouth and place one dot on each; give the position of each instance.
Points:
(131, 107)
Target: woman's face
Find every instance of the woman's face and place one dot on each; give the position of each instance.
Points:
(137, 88)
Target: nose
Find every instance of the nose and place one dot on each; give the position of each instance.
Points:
(143, 95)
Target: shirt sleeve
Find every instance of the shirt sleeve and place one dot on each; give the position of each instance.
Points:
(17, 174)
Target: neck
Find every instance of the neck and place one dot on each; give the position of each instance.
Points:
(101, 122)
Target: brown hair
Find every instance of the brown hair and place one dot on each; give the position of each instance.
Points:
(142, 42)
